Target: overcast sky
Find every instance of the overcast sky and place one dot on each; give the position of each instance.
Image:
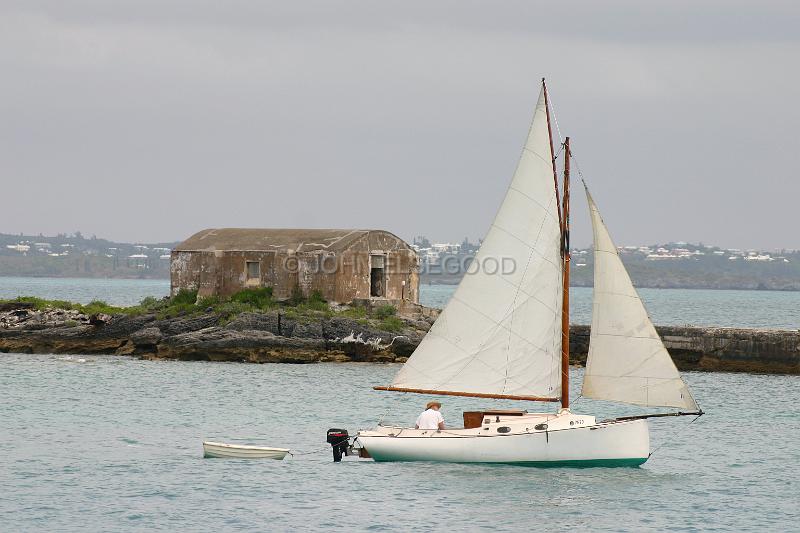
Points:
(149, 120)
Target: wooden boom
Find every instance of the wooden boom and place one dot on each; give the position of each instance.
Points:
(471, 394)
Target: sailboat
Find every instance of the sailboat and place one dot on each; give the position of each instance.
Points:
(505, 334)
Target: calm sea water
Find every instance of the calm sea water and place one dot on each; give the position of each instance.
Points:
(114, 444)
(120, 292)
(750, 309)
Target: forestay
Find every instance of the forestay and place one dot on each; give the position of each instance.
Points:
(627, 360)
(500, 334)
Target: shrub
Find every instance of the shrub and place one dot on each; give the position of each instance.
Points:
(184, 296)
(99, 306)
(316, 296)
(392, 323)
(149, 301)
(297, 297)
(260, 298)
(355, 312)
(228, 310)
(174, 310)
(149, 305)
(385, 311)
(316, 303)
(60, 304)
(38, 303)
(208, 301)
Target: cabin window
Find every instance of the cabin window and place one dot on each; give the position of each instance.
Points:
(253, 270)
(377, 276)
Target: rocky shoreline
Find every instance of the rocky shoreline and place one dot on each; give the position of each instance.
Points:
(277, 337)
(270, 337)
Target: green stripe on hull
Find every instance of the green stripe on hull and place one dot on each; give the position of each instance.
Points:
(586, 463)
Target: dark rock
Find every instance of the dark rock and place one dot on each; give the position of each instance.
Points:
(99, 320)
(11, 306)
(403, 346)
(178, 326)
(255, 321)
(147, 337)
(221, 344)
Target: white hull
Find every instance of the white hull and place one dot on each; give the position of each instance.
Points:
(568, 440)
(218, 449)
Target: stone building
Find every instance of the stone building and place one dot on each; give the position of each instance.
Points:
(343, 265)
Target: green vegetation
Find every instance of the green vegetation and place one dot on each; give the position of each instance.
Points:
(92, 308)
(297, 297)
(357, 312)
(260, 298)
(391, 323)
(316, 302)
(385, 311)
(256, 300)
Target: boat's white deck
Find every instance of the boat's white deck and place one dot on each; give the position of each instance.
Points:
(493, 425)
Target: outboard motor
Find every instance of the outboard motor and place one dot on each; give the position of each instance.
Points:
(339, 440)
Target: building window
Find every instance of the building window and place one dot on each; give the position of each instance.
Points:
(253, 270)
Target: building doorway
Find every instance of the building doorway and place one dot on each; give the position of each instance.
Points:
(377, 276)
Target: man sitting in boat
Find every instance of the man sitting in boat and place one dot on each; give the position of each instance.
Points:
(430, 418)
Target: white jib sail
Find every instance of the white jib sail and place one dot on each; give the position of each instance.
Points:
(627, 361)
(501, 331)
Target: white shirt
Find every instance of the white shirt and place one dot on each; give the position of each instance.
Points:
(429, 419)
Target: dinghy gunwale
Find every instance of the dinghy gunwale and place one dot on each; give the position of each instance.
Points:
(245, 446)
(221, 450)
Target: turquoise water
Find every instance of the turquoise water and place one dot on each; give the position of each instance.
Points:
(114, 444)
(677, 307)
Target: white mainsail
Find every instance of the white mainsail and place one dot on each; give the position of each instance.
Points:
(501, 331)
(627, 360)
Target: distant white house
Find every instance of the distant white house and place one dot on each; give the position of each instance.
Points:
(22, 248)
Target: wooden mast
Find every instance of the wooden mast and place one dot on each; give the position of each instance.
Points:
(565, 300)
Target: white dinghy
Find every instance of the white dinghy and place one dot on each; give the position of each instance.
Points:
(240, 451)
(506, 335)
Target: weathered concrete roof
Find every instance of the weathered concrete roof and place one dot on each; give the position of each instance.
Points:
(253, 239)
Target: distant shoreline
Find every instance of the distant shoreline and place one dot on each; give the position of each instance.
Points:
(449, 282)
(676, 287)
(148, 278)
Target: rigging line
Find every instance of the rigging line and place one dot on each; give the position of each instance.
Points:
(560, 149)
(577, 167)
(555, 119)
